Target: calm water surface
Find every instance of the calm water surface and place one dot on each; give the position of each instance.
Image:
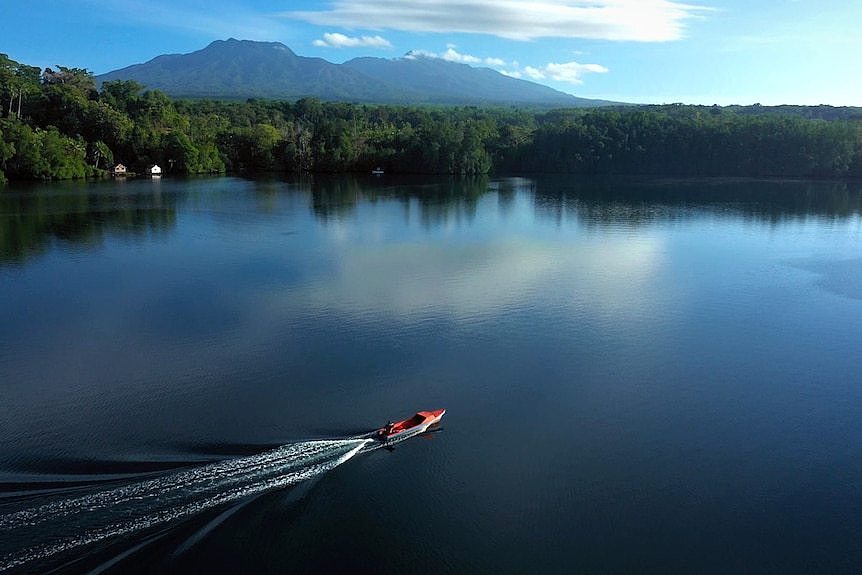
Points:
(641, 376)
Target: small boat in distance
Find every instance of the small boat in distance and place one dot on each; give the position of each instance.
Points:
(377, 171)
(401, 430)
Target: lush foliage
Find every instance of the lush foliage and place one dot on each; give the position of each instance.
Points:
(55, 124)
(691, 141)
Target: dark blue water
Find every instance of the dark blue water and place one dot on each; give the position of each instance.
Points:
(640, 376)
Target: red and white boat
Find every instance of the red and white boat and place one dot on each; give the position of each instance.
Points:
(401, 430)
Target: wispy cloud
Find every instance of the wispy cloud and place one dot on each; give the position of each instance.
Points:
(568, 72)
(336, 40)
(637, 20)
(452, 55)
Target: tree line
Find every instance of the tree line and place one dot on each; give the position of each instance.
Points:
(56, 124)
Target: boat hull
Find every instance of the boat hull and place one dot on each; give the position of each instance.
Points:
(431, 418)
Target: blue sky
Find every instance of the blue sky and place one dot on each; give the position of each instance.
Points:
(653, 51)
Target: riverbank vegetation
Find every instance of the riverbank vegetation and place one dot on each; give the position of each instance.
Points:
(56, 124)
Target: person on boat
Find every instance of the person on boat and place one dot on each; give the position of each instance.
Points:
(387, 429)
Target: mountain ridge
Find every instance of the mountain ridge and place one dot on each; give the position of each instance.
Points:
(242, 69)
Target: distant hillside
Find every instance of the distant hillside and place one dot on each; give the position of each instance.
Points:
(445, 82)
(240, 69)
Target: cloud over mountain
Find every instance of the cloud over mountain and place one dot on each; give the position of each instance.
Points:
(336, 40)
(636, 20)
(569, 72)
(246, 69)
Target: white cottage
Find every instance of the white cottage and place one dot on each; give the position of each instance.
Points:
(119, 170)
(155, 170)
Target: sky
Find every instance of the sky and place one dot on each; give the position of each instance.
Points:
(643, 51)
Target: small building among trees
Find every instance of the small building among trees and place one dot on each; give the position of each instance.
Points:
(155, 170)
(119, 170)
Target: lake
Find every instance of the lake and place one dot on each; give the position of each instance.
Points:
(649, 376)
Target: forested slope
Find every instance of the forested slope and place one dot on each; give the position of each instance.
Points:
(55, 124)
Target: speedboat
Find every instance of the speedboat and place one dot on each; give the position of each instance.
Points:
(401, 430)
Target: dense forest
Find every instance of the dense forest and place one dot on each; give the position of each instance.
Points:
(56, 124)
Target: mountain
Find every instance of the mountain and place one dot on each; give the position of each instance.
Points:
(246, 69)
(446, 82)
(240, 69)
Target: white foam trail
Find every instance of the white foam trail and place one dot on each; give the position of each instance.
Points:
(175, 496)
(199, 479)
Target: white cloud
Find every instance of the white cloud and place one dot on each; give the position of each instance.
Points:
(413, 54)
(511, 73)
(452, 55)
(336, 40)
(534, 73)
(569, 72)
(637, 20)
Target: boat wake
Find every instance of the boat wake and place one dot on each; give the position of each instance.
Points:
(71, 521)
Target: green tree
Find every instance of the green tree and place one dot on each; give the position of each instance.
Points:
(100, 155)
(18, 82)
(7, 150)
(27, 162)
(122, 95)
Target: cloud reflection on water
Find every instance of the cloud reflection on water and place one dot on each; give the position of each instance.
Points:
(468, 280)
